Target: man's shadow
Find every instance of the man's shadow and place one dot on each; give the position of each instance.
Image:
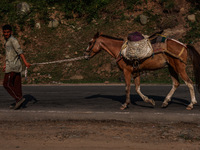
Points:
(136, 99)
(28, 98)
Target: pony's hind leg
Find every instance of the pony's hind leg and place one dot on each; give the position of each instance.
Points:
(175, 82)
(192, 93)
(189, 83)
(182, 72)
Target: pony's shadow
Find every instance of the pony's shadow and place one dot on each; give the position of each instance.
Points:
(29, 98)
(136, 99)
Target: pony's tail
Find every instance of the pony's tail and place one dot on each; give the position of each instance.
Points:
(195, 58)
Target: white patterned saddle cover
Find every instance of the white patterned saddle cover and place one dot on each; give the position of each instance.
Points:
(132, 50)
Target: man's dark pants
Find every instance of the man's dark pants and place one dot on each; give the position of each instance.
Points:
(12, 83)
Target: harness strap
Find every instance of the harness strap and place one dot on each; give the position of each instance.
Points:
(119, 57)
(172, 54)
(181, 51)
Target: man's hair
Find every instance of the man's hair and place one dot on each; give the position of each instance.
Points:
(7, 27)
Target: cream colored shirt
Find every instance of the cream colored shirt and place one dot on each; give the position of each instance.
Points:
(13, 51)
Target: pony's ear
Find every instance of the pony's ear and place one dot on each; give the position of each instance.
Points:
(96, 35)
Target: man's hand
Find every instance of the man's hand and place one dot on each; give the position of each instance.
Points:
(27, 64)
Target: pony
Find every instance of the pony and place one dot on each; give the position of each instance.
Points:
(175, 58)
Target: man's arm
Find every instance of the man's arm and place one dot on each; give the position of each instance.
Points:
(24, 60)
(4, 68)
(4, 64)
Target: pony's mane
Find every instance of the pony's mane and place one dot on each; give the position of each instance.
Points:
(110, 37)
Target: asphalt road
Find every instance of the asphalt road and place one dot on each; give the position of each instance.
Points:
(98, 102)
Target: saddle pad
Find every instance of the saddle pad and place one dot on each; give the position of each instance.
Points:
(159, 46)
(137, 50)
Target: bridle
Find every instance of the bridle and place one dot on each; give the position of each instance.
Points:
(90, 50)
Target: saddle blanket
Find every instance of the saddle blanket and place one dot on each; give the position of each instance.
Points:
(137, 49)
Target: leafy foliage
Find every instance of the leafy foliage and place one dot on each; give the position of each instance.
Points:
(7, 10)
(192, 35)
(131, 3)
(195, 3)
(80, 8)
(72, 8)
(168, 5)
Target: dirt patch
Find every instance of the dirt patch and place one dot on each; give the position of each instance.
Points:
(91, 134)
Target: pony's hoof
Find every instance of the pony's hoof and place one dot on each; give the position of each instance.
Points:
(124, 106)
(151, 101)
(164, 105)
(189, 107)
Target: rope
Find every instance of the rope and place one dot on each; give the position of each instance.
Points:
(60, 61)
(54, 62)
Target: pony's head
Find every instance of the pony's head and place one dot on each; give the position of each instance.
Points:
(93, 46)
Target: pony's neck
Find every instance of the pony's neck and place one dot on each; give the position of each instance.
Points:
(112, 46)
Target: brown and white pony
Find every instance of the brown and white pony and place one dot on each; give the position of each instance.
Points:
(175, 57)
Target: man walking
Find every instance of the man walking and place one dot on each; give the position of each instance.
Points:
(13, 67)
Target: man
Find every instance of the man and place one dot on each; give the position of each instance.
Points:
(13, 67)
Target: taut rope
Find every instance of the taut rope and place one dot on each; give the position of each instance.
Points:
(60, 61)
(54, 62)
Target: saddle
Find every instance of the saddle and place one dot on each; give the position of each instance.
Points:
(138, 46)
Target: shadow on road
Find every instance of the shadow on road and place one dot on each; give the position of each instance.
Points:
(29, 98)
(136, 99)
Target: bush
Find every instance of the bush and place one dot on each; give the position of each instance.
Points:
(195, 3)
(131, 3)
(168, 5)
(6, 11)
(79, 8)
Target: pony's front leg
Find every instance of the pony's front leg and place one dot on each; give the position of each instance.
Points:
(137, 88)
(127, 76)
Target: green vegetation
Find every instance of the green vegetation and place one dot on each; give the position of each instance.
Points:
(195, 3)
(79, 21)
(131, 3)
(167, 4)
(193, 34)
